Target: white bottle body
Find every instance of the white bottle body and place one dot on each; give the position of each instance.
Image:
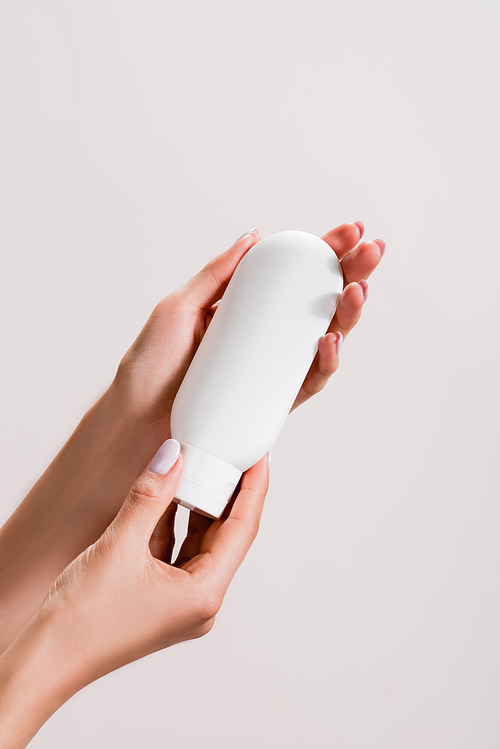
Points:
(251, 362)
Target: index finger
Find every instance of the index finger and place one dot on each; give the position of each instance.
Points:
(230, 543)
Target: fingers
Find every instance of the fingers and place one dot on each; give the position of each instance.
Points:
(349, 308)
(326, 361)
(344, 238)
(325, 364)
(162, 541)
(150, 495)
(361, 262)
(229, 544)
(358, 262)
(208, 286)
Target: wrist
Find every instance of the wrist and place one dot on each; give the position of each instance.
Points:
(35, 680)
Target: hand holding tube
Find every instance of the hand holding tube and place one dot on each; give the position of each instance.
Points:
(122, 599)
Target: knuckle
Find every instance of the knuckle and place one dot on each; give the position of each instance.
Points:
(144, 492)
(211, 263)
(206, 607)
(211, 268)
(159, 307)
(205, 628)
(167, 304)
(107, 543)
(252, 527)
(124, 367)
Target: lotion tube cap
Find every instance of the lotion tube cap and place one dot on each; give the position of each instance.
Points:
(207, 482)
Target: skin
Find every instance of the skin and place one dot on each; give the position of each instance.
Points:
(78, 497)
(118, 601)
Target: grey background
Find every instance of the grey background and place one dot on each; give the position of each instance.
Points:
(138, 140)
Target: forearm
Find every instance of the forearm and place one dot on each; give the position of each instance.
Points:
(35, 680)
(69, 507)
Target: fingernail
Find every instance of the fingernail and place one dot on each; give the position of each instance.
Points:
(269, 456)
(245, 234)
(364, 286)
(381, 244)
(361, 228)
(166, 457)
(340, 341)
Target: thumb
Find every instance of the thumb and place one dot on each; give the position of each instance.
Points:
(151, 494)
(208, 286)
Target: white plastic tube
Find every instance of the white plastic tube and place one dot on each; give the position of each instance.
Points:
(251, 362)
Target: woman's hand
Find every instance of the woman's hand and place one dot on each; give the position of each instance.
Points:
(122, 599)
(82, 490)
(153, 368)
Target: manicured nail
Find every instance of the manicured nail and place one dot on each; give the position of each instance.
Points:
(361, 228)
(166, 457)
(364, 286)
(340, 341)
(381, 244)
(245, 234)
(269, 456)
